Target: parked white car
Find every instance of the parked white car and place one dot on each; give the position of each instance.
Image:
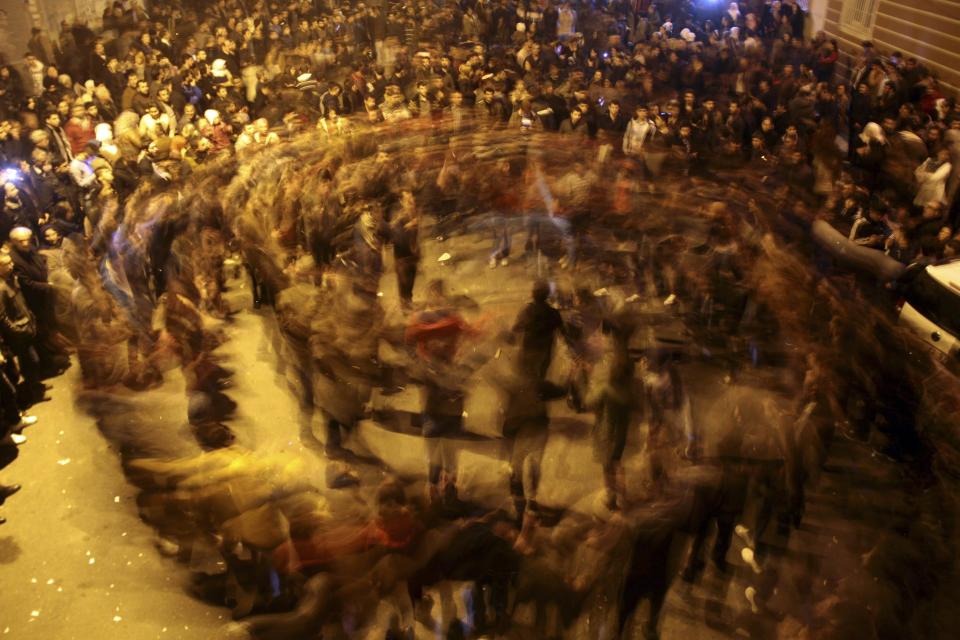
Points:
(931, 308)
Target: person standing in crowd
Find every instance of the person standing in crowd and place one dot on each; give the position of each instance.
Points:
(19, 328)
(639, 130)
(437, 333)
(932, 178)
(30, 267)
(405, 237)
(617, 409)
(538, 326)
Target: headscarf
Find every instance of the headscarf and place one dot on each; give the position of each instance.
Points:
(873, 133)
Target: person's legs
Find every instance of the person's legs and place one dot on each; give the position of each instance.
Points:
(448, 605)
(695, 563)
(725, 526)
(658, 594)
(449, 455)
(9, 409)
(477, 606)
(501, 241)
(251, 79)
(434, 460)
(572, 231)
(532, 244)
(629, 599)
(31, 389)
(406, 269)
(303, 622)
(513, 455)
(255, 286)
(532, 441)
(610, 484)
(333, 444)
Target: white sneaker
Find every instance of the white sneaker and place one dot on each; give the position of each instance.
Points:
(749, 557)
(27, 420)
(493, 263)
(17, 439)
(670, 299)
(504, 262)
(444, 257)
(744, 534)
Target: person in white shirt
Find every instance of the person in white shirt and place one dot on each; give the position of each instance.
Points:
(246, 137)
(932, 178)
(155, 125)
(35, 71)
(639, 131)
(82, 174)
(80, 170)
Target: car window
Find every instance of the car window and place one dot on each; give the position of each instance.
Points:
(936, 301)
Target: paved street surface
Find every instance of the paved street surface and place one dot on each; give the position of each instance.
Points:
(77, 562)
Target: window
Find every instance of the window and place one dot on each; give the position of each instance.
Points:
(857, 17)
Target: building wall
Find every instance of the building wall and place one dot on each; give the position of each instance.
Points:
(816, 16)
(17, 17)
(15, 24)
(928, 30)
(55, 11)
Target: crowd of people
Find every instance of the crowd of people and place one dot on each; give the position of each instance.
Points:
(88, 118)
(303, 139)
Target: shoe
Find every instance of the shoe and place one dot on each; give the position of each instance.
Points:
(744, 534)
(26, 421)
(493, 263)
(504, 262)
(751, 595)
(17, 438)
(3, 520)
(750, 559)
(7, 491)
(670, 299)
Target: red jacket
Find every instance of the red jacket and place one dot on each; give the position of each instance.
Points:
(329, 544)
(437, 335)
(79, 133)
